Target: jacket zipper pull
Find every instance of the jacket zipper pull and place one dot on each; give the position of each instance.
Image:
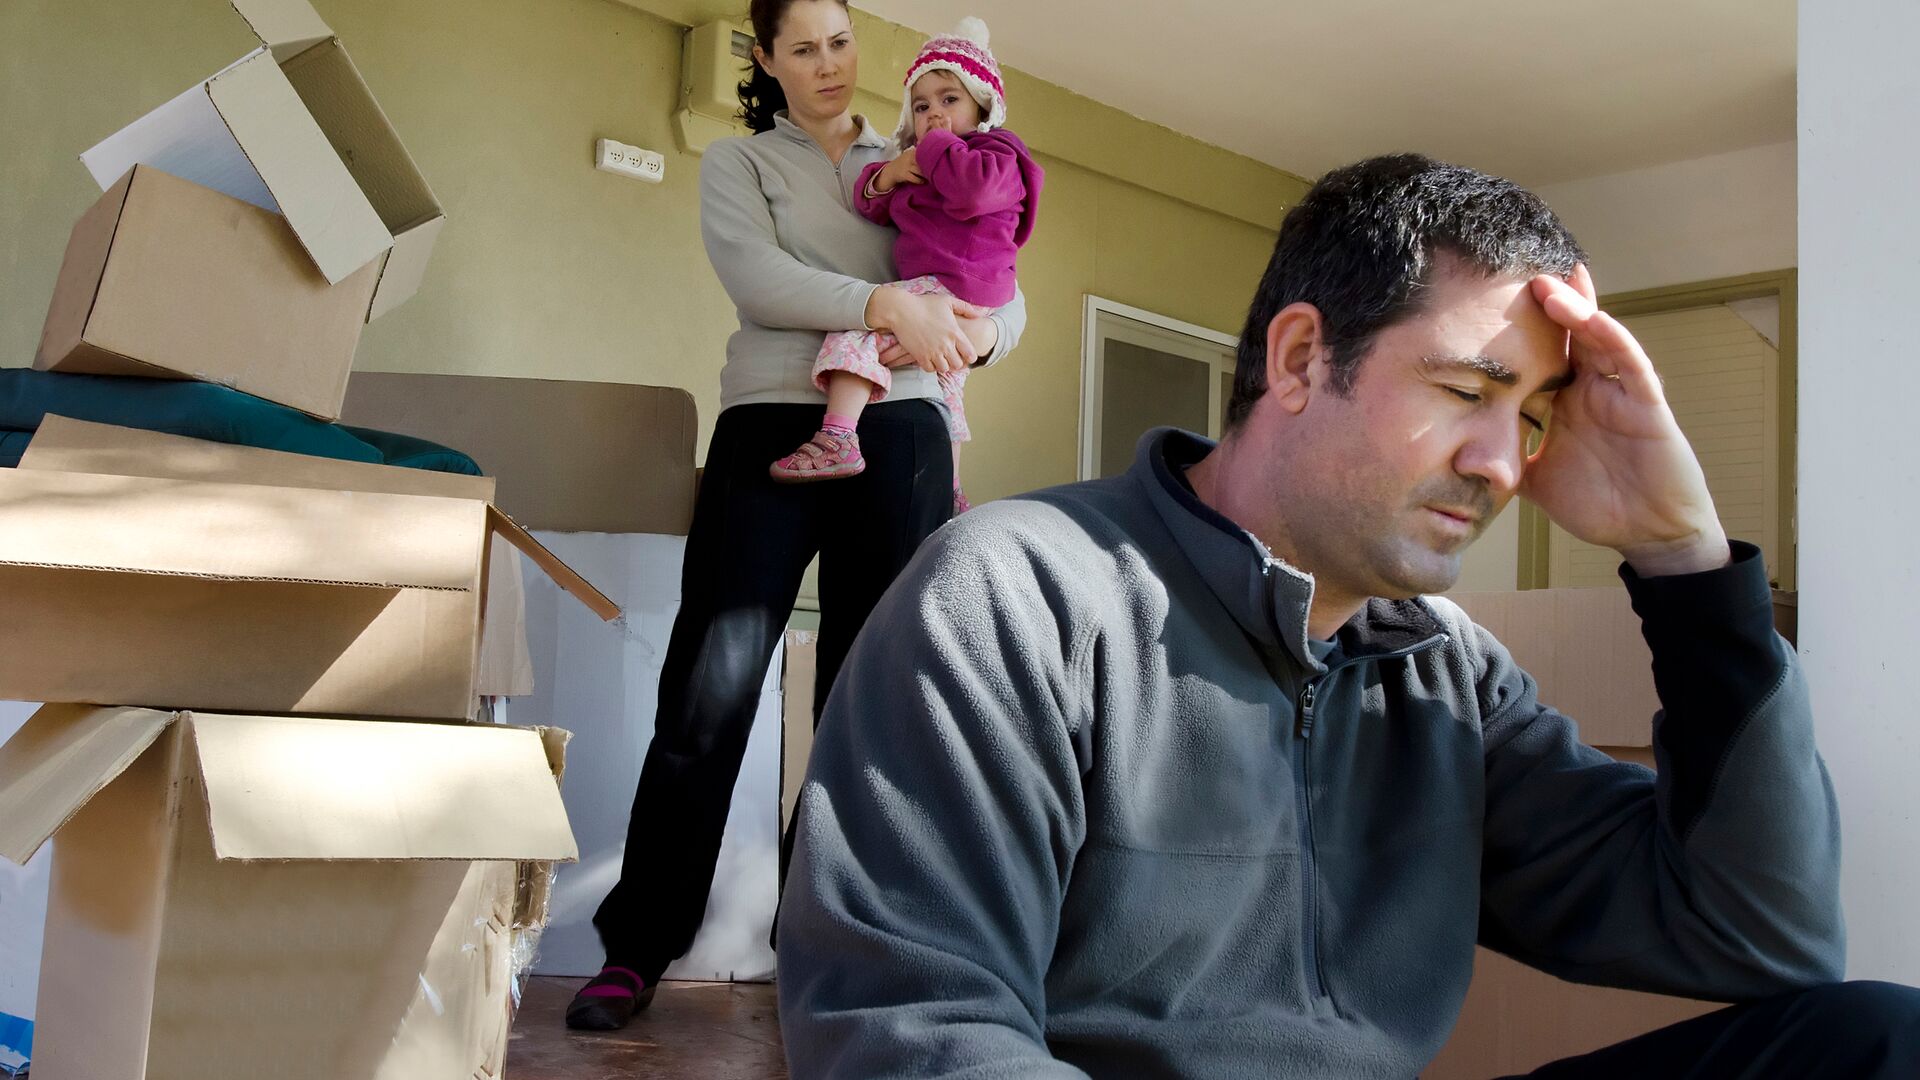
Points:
(1306, 710)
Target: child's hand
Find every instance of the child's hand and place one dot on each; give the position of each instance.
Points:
(904, 169)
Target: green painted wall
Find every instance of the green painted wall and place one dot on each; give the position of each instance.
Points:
(548, 268)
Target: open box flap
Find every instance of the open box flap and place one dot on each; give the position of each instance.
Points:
(310, 788)
(288, 27)
(311, 185)
(550, 564)
(61, 759)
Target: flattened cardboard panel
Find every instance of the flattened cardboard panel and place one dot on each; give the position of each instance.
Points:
(238, 646)
(358, 130)
(237, 531)
(59, 760)
(80, 271)
(308, 788)
(104, 914)
(187, 138)
(216, 289)
(1584, 648)
(290, 970)
(316, 193)
(286, 24)
(796, 718)
(570, 456)
(64, 444)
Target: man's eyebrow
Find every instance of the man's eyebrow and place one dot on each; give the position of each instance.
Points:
(1484, 365)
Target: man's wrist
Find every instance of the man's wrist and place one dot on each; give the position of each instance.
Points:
(1701, 552)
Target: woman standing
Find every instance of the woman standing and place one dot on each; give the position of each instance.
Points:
(776, 213)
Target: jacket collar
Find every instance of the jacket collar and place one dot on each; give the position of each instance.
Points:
(1269, 598)
(787, 129)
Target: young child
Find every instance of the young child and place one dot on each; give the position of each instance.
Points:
(962, 193)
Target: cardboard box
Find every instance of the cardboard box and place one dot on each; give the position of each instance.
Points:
(1583, 647)
(164, 278)
(148, 568)
(292, 127)
(244, 896)
(570, 456)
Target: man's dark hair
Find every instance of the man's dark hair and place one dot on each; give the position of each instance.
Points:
(1361, 247)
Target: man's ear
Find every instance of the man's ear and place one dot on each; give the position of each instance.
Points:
(1295, 339)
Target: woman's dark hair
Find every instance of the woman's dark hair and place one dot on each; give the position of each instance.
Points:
(760, 94)
(1362, 244)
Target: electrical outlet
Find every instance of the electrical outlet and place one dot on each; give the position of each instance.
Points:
(618, 157)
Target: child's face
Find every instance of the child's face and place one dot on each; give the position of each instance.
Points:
(939, 101)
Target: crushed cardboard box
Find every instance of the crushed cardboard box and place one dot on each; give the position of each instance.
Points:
(245, 896)
(142, 568)
(292, 127)
(164, 278)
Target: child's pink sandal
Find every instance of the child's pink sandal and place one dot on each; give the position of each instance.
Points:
(826, 456)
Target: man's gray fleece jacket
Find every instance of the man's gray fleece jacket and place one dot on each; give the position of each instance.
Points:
(1082, 803)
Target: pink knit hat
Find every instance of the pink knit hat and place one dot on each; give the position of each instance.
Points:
(964, 53)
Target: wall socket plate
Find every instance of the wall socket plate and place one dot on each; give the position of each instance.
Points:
(618, 157)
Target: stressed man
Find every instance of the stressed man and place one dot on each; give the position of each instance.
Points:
(1180, 773)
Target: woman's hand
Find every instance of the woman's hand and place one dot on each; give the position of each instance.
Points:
(927, 328)
(981, 330)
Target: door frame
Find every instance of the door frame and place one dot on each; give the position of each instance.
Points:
(1091, 373)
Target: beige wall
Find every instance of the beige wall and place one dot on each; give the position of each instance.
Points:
(549, 268)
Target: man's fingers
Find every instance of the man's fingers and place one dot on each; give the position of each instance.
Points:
(1582, 282)
(1600, 343)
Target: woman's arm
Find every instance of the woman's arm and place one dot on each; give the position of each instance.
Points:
(766, 283)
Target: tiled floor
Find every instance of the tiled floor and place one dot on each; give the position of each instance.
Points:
(692, 1031)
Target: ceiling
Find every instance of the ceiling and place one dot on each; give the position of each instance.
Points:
(1539, 92)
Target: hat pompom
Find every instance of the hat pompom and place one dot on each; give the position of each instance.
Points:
(973, 29)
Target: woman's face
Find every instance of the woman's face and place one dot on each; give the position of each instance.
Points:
(815, 58)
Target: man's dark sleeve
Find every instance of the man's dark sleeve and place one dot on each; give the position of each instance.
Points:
(1718, 879)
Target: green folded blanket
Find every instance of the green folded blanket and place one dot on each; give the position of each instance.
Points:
(201, 411)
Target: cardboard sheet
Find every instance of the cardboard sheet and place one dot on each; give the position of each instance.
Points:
(570, 456)
(1583, 646)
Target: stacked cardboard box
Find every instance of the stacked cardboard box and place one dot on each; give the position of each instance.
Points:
(284, 849)
(250, 226)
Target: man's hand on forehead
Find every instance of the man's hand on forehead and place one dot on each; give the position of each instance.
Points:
(1615, 470)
